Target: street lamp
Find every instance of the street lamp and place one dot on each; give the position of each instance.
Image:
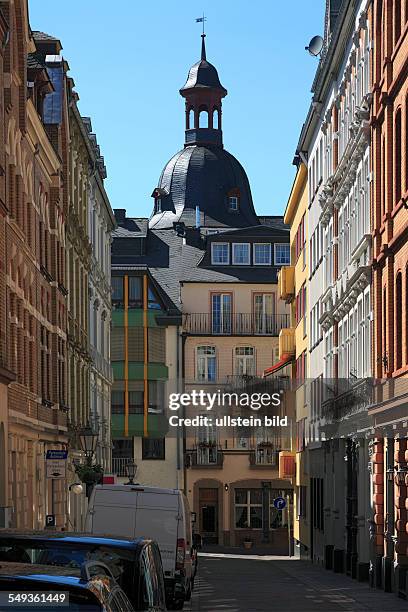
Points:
(88, 439)
(76, 488)
(131, 469)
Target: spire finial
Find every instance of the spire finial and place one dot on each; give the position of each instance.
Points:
(202, 20)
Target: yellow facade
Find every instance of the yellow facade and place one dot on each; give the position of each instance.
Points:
(291, 280)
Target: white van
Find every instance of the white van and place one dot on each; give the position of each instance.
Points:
(162, 515)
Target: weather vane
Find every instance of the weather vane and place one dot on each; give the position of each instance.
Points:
(202, 20)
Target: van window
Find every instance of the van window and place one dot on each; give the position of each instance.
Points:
(147, 581)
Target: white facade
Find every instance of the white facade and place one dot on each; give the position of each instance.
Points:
(101, 224)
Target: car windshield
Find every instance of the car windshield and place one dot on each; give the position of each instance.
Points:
(120, 561)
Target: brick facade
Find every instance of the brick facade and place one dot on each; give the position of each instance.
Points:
(389, 218)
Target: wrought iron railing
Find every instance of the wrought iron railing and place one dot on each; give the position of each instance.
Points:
(206, 455)
(236, 324)
(119, 465)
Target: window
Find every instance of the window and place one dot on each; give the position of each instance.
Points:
(117, 289)
(118, 402)
(158, 205)
(206, 363)
(153, 302)
(301, 509)
(240, 253)
(220, 253)
(262, 254)
(221, 314)
(233, 202)
(135, 292)
(248, 508)
(282, 254)
(153, 448)
(244, 361)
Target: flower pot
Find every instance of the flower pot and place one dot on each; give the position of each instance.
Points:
(248, 544)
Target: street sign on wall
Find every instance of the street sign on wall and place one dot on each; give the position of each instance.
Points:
(56, 461)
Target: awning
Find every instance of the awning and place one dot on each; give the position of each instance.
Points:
(286, 359)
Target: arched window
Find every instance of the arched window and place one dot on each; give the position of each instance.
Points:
(397, 158)
(398, 321)
(190, 125)
(203, 118)
(216, 119)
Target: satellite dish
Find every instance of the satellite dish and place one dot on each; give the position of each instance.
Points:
(315, 46)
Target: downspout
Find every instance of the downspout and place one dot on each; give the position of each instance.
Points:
(126, 373)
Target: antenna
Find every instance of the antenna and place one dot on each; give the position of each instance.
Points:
(315, 46)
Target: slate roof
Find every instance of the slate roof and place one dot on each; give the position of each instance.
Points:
(171, 260)
(203, 176)
(132, 228)
(203, 74)
(42, 36)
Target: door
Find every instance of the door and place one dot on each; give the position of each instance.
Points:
(112, 512)
(264, 311)
(208, 508)
(159, 517)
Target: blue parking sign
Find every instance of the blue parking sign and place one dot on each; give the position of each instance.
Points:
(279, 503)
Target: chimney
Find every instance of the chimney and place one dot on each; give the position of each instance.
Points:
(120, 215)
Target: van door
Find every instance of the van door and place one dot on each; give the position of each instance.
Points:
(113, 512)
(157, 518)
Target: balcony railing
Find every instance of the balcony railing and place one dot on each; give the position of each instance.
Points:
(119, 465)
(237, 324)
(206, 456)
(263, 457)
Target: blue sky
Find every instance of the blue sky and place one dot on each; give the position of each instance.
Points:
(130, 57)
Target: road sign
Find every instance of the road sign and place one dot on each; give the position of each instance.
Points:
(279, 503)
(50, 520)
(56, 461)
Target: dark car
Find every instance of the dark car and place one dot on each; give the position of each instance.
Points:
(135, 564)
(30, 587)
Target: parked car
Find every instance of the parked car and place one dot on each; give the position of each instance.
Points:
(90, 588)
(161, 514)
(135, 565)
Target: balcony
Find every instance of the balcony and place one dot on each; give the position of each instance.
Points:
(206, 455)
(238, 324)
(287, 344)
(286, 283)
(119, 465)
(263, 456)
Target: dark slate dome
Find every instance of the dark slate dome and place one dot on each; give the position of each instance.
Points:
(203, 174)
(204, 177)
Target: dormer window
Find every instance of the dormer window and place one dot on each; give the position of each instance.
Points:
(233, 202)
(158, 205)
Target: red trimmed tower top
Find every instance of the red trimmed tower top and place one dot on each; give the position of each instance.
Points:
(203, 93)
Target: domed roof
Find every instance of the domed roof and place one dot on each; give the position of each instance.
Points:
(204, 177)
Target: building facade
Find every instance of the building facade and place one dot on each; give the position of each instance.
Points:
(34, 273)
(293, 348)
(146, 356)
(389, 133)
(101, 223)
(335, 143)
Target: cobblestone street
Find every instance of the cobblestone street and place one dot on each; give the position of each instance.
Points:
(276, 583)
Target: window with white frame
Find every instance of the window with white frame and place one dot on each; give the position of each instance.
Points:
(248, 508)
(282, 254)
(220, 253)
(206, 363)
(240, 253)
(244, 361)
(262, 253)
